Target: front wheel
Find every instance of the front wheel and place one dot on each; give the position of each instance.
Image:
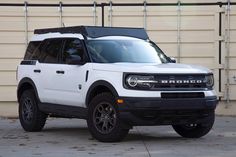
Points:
(195, 130)
(103, 119)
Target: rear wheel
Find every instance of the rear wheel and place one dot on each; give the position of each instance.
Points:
(103, 119)
(195, 130)
(31, 118)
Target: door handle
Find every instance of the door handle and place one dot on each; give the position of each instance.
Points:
(60, 72)
(37, 70)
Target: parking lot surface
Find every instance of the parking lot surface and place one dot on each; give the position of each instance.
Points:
(71, 138)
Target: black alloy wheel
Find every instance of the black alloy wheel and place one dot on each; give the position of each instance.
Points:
(104, 121)
(31, 118)
(104, 117)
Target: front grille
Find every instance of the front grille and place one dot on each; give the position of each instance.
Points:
(179, 81)
(182, 95)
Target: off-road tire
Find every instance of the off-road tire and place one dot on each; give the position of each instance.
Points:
(31, 118)
(104, 106)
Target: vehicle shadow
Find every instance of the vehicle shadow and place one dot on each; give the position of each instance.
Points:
(65, 131)
(83, 133)
(149, 137)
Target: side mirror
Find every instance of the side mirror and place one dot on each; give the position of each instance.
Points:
(74, 60)
(172, 59)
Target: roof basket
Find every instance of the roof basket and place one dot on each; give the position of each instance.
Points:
(95, 31)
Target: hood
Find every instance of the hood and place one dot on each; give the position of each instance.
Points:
(151, 68)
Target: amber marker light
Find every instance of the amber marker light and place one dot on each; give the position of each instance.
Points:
(120, 101)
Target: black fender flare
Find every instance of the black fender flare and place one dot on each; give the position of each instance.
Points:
(100, 83)
(21, 84)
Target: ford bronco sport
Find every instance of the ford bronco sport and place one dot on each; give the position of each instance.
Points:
(115, 78)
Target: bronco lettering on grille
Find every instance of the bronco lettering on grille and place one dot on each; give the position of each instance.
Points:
(181, 81)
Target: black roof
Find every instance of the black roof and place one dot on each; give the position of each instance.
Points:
(96, 31)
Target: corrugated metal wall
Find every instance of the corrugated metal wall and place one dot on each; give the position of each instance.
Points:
(191, 33)
(232, 52)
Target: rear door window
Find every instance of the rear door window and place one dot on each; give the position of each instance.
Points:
(50, 51)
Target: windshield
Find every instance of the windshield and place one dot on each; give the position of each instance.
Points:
(133, 51)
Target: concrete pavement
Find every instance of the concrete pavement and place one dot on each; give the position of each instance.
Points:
(71, 138)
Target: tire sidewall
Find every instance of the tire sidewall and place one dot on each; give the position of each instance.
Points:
(28, 94)
(115, 132)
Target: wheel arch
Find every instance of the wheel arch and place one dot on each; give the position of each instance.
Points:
(24, 84)
(99, 87)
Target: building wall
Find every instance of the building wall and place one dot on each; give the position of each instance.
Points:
(189, 33)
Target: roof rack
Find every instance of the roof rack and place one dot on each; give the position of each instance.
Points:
(96, 31)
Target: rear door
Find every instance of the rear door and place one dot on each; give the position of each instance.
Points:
(49, 59)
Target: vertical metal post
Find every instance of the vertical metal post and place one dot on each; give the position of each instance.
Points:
(178, 31)
(102, 5)
(220, 52)
(60, 11)
(110, 14)
(145, 14)
(26, 23)
(94, 13)
(227, 51)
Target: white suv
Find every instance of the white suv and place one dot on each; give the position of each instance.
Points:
(115, 78)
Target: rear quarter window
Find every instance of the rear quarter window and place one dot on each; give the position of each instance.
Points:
(33, 45)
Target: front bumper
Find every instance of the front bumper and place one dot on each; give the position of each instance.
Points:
(159, 111)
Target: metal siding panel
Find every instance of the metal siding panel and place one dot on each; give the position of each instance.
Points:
(195, 50)
(8, 93)
(232, 54)
(83, 16)
(75, 11)
(232, 63)
(233, 35)
(135, 21)
(12, 37)
(161, 23)
(197, 36)
(8, 78)
(232, 75)
(38, 22)
(43, 12)
(203, 61)
(232, 90)
(9, 64)
(163, 36)
(11, 23)
(73, 21)
(233, 49)
(11, 11)
(8, 51)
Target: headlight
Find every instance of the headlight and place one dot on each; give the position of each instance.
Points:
(139, 81)
(132, 81)
(209, 80)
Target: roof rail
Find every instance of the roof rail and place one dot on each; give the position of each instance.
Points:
(96, 31)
